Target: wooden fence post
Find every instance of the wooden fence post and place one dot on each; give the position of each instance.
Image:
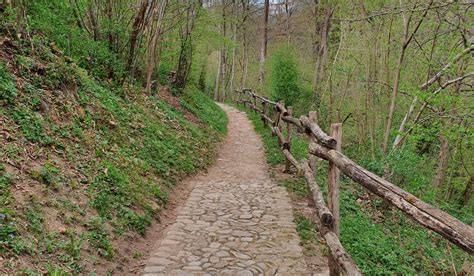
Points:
(313, 117)
(249, 98)
(265, 112)
(288, 139)
(333, 192)
(279, 122)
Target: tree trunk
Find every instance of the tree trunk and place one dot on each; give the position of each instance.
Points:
(93, 20)
(401, 129)
(443, 158)
(156, 35)
(393, 99)
(322, 53)
(263, 48)
(316, 43)
(468, 192)
(218, 80)
(232, 69)
(136, 29)
(407, 38)
(186, 51)
(110, 36)
(287, 21)
(223, 55)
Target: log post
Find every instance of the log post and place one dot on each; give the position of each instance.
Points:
(312, 139)
(333, 193)
(334, 175)
(265, 113)
(254, 102)
(280, 114)
(288, 139)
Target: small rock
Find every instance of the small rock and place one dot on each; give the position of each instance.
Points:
(197, 263)
(246, 216)
(240, 255)
(214, 259)
(194, 268)
(239, 233)
(221, 264)
(222, 254)
(214, 245)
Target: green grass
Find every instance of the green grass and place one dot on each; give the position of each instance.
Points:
(307, 231)
(8, 90)
(389, 245)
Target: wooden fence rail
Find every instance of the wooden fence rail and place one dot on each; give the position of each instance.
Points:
(328, 148)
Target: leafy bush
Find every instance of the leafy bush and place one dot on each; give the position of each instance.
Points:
(284, 76)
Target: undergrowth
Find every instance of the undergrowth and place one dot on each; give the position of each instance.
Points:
(100, 159)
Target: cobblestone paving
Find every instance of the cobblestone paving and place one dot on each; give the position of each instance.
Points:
(236, 220)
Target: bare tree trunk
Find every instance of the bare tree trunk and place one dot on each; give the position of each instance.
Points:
(263, 48)
(316, 43)
(468, 192)
(232, 69)
(393, 98)
(398, 138)
(218, 80)
(156, 35)
(136, 29)
(443, 158)
(93, 20)
(407, 38)
(110, 36)
(223, 74)
(79, 19)
(185, 35)
(323, 46)
(246, 67)
(244, 59)
(287, 21)
(223, 58)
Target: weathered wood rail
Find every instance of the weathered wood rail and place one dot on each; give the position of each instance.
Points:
(328, 147)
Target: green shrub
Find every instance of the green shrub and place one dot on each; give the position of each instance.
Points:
(111, 189)
(5, 182)
(10, 239)
(48, 175)
(31, 125)
(284, 76)
(98, 237)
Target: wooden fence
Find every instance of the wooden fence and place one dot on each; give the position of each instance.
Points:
(328, 147)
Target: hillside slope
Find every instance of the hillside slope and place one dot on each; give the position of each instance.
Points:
(87, 165)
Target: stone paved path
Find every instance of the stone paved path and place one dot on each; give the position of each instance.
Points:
(236, 220)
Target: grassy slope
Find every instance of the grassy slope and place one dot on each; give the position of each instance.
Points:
(85, 164)
(380, 242)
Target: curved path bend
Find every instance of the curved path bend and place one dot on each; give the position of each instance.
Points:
(236, 221)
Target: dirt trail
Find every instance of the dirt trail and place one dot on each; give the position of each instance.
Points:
(236, 221)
